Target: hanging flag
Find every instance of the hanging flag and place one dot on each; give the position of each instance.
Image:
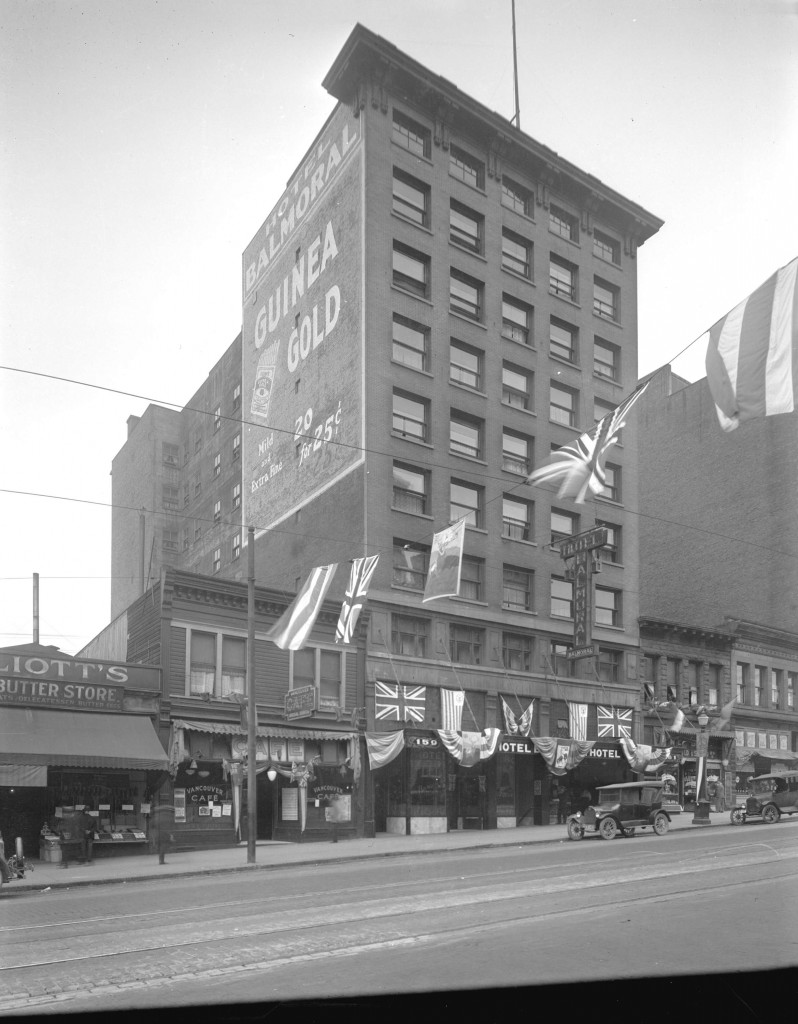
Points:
(518, 725)
(396, 703)
(724, 717)
(446, 558)
(678, 721)
(642, 757)
(354, 599)
(383, 747)
(452, 709)
(578, 466)
(562, 755)
(615, 722)
(469, 748)
(577, 721)
(752, 354)
(292, 629)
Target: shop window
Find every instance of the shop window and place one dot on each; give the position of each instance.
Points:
(323, 668)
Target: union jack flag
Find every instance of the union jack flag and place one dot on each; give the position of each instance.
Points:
(615, 722)
(355, 597)
(397, 703)
(578, 466)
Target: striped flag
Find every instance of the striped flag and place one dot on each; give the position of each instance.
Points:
(355, 597)
(518, 725)
(752, 355)
(446, 558)
(578, 466)
(292, 629)
(577, 721)
(469, 748)
(452, 710)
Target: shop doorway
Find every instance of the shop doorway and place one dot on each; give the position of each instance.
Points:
(468, 808)
(266, 796)
(23, 811)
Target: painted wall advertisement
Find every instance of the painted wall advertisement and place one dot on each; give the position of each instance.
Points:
(302, 360)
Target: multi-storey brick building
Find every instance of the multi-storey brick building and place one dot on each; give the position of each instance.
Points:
(434, 304)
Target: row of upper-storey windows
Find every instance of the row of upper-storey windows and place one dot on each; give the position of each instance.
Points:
(413, 200)
(762, 686)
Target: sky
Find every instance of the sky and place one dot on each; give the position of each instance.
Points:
(144, 142)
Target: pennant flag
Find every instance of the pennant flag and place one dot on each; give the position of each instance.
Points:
(752, 355)
(396, 703)
(678, 721)
(446, 558)
(292, 629)
(469, 748)
(452, 709)
(562, 755)
(577, 721)
(615, 722)
(643, 758)
(383, 747)
(520, 725)
(578, 466)
(354, 599)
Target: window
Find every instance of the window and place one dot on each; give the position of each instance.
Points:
(185, 539)
(517, 652)
(236, 502)
(410, 343)
(410, 563)
(197, 531)
(563, 223)
(217, 464)
(217, 560)
(236, 397)
(612, 483)
(202, 666)
(471, 579)
(516, 197)
(562, 598)
(672, 676)
(759, 685)
(516, 518)
(217, 511)
(693, 681)
(409, 635)
(465, 644)
(236, 552)
(516, 452)
(516, 321)
(742, 682)
(606, 299)
(411, 135)
(197, 442)
(606, 248)
(562, 405)
(236, 447)
(611, 551)
(563, 524)
(170, 453)
(322, 668)
(516, 254)
(602, 409)
(466, 168)
(217, 418)
(465, 295)
(234, 665)
(609, 665)
(186, 495)
(775, 687)
(608, 607)
(606, 359)
(169, 540)
(410, 198)
(410, 416)
(562, 340)
(517, 588)
(466, 435)
(561, 663)
(562, 278)
(792, 681)
(465, 365)
(410, 489)
(410, 270)
(465, 227)
(170, 496)
(713, 689)
(516, 386)
(197, 487)
(466, 501)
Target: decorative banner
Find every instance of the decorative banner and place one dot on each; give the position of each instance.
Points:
(577, 720)
(643, 758)
(359, 580)
(469, 748)
(562, 755)
(293, 628)
(614, 722)
(446, 558)
(394, 702)
(452, 709)
(384, 747)
(520, 725)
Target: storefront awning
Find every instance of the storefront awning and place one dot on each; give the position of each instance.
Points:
(79, 739)
(277, 732)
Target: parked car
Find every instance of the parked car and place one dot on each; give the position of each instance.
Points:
(622, 808)
(771, 796)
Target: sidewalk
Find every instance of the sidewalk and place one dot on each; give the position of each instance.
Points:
(45, 876)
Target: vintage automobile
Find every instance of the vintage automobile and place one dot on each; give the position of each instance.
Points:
(622, 808)
(771, 796)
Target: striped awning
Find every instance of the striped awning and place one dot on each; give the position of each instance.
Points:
(277, 732)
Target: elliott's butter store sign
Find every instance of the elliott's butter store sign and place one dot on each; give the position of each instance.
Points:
(61, 682)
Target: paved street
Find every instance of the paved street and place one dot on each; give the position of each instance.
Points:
(701, 901)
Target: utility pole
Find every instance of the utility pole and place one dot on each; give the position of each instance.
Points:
(252, 778)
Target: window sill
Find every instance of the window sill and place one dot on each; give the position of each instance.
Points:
(467, 319)
(615, 384)
(411, 295)
(411, 154)
(518, 540)
(518, 277)
(468, 390)
(526, 217)
(411, 440)
(471, 188)
(606, 320)
(517, 408)
(469, 251)
(468, 458)
(564, 298)
(412, 223)
(565, 362)
(407, 512)
(575, 242)
(412, 369)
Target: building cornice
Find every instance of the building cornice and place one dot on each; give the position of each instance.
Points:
(684, 632)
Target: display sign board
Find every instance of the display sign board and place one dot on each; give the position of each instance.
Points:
(583, 542)
(588, 651)
(302, 332)
(31, 679)
(301, 702)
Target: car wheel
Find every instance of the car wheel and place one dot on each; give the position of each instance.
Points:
(628, 832)
(575, 831)
(770, 814)
(737, 816)
(661, 824)
(608, 828)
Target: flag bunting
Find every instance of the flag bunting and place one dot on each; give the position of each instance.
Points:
(518, 725)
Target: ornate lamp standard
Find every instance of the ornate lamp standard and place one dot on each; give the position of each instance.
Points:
(701, 814)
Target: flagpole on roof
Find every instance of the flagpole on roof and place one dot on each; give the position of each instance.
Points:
(517, 116)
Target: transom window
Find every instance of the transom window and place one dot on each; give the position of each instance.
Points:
(606, 248)
(562, 340)
(563, 223)
(516, 518)
(516, 254)
(516, 197)
(606, 359)
(465, 365)
(562, 405)
(410, 488)
(410, 416)
(410, 198)
(410, 343)
(516, 452)
(410, 270)
(562, 278)
(516, 321)
(323, 668)
(465, 295)
(516, 386)
(562, 598)
(466, 168)
(608, 606)
(410, 563)
(466, 435)
(466, 501)
(465, 227)
(411, 135)
(465, 644)
(517, 652)
(606, 299)
(517, 588)
(409, 635)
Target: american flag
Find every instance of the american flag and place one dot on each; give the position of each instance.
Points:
(615, 722)
(452, 709)
(394, 702)
(578, 466)
(577, 720)
(355, 597)
(518, 725)
(292, 629)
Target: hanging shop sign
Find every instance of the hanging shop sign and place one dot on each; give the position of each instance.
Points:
(300, 703)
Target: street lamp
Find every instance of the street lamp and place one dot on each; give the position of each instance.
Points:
(701, 814)
(271, 773)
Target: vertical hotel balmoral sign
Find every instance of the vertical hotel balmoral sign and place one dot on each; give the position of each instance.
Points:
(302, 387)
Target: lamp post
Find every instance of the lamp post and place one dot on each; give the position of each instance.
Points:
(701, 814)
